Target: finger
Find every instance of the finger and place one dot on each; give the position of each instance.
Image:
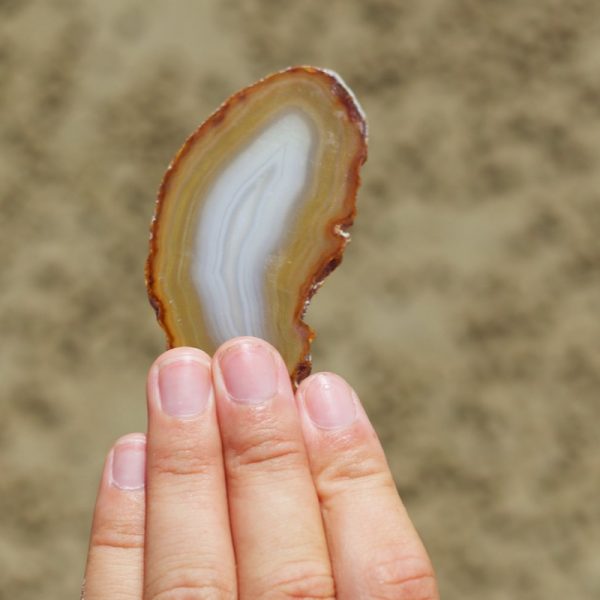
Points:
(189, 553)
(276, 523)
(115, 558)
(375, 550)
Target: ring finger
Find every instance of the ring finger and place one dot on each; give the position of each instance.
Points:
(188, 545)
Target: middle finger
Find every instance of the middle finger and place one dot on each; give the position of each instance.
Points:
(275, 518)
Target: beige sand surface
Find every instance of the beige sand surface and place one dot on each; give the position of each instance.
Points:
(466, 313)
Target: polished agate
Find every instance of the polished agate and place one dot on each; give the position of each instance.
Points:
(253, 213)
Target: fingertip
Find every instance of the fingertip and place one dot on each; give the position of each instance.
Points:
(180, 353)
(134, 437)
(173, 372)
(249, 370)
(125, 467)
(244, 339)
(335, 426)
(328, 401)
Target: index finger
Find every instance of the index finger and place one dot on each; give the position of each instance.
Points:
(375, 550)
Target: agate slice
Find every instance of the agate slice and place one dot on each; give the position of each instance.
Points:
(253, 213)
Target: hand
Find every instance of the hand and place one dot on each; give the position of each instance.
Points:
(241, 490)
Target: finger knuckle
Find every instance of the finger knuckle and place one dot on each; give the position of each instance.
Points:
(308, 582)
(352, 470)
(267, 451)
(204, 592)
(121, 534)
(182, 461)
(195, 587)
(400, 577)
(177, 578)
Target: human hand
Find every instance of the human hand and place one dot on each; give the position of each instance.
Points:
(241, 490)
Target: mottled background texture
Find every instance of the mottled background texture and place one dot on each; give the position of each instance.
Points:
(466, 313)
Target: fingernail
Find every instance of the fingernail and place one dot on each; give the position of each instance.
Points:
(249, 372)
(184, 387)
(129, 465)
(329, 401)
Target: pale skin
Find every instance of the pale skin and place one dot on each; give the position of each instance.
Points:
(242, 489)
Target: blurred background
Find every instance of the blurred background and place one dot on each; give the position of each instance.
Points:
(466, 312)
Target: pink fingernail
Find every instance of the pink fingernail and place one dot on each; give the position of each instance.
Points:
(249, 372)
(184, 387)
(129, 465)
(329, 401)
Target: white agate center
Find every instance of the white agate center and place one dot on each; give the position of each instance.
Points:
(244, 219)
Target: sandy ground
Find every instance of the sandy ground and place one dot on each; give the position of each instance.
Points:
(469, 322)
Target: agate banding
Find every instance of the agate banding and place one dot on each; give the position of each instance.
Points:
(253, 213)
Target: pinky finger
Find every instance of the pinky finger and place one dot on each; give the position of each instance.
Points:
(116, 554)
